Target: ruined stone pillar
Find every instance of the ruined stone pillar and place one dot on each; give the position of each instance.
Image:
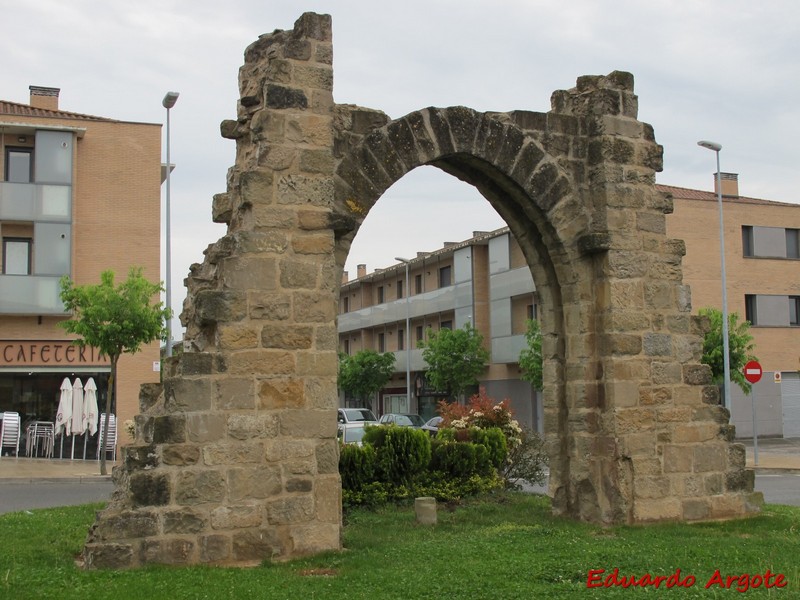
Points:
(236, 461)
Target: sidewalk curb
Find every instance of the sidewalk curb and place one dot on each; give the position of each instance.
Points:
(84, 479)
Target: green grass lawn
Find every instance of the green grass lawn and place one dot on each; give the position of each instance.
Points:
(508, 546)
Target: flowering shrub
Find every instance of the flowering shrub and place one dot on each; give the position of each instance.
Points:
(482, 412)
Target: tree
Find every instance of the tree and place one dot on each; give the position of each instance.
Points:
(115, 320)
(740, 347)
(455, 358)
(365, 372)
(530, 358)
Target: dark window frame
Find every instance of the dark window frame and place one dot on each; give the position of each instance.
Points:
(22, 150)
(25, 240)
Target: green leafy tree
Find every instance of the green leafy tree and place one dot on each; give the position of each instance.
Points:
(740, 347)
(455, 358)
(530, 358)
(114, 319)
(365, 372)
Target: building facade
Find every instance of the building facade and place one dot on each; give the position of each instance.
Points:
(78, 195)
(762, 266)
(485, 281)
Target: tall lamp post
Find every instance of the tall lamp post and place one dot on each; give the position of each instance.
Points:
(406, 262)
(726, 361)
(168, 102)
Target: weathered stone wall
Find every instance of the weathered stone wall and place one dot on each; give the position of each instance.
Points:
(235, 460)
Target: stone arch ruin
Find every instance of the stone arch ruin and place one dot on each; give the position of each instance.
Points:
(236, 461)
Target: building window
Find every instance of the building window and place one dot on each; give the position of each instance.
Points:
(793, 243)
(794, 311)
(446, 325)
(445, 276)
(750, 309)
(16, 256)
(399, 289)
(418, 284)
(346, 347)
(420, 333)
(346, 304)
(19, 165)
(401, 339)
(381, 342)
(531, 309)
(380, 294)
(747, 240)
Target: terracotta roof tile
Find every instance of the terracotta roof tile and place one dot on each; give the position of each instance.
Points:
(680, 193)
(24, 110)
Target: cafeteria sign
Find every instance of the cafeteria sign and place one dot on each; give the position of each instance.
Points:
(48, 353)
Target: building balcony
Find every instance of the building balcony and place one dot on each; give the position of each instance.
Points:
(30, 295)
(35, 202)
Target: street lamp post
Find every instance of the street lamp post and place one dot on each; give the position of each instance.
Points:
(406, 262)
(726, 361)
(168, 102)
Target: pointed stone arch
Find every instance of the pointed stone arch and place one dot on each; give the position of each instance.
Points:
(235, 460)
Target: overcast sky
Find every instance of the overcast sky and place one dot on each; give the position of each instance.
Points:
(723, 70)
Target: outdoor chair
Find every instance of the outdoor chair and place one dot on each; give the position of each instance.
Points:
(109, 445)
(40, 434)
(10, 432)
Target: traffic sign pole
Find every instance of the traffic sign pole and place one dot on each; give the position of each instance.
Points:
(753, 372)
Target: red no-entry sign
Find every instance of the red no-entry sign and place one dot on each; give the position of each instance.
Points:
(752, 372)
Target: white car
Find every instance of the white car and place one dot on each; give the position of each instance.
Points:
(352, 433)
(355, 415)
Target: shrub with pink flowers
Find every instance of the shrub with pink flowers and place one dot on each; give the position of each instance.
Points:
(481, 412)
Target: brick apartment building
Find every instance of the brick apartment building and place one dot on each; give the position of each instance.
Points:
(78, 195)
(485, 281)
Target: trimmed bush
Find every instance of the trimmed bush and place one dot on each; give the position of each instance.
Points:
(494, 440)
(357, 466)
(402, 453)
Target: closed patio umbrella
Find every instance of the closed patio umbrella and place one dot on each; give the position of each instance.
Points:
(89, 411)
(77, 412)
(64, 414)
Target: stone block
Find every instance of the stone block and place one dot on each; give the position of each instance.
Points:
(108, 556)
(328, 499)
(666, 373)
(235, 393)
(262, 362)
(281, 393)
(149, 489)
(148, 395)
(696, 509)
(317, 363)
(740, 480)
(269, 307)
(233, 453)
(657, 344)
(219, 306)
(184, 520)
(250, 426)
(297, 274)
(253, 482)
(287, 337)
(314, 307)
(314, 538)
(207, 427)
(289, 511)
(327, 455)
(180, 455)
(196, 363)
(257, 545)
(249, 273)
(214, 548)
(634, 420)
(237, 337)
(308, 424)
(136, 458)
(664, 509)
(187, 395)
(129, 524)
(678, 459)
(709, 458)
(299, 484)
(199, 487)
(236, 517)
(283, 449)
(169, 429)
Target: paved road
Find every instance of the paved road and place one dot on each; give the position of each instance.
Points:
(25, 495)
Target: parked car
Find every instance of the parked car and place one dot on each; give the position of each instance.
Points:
(432, 426)
(414, 421)
(352, 433)
(356, 415)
